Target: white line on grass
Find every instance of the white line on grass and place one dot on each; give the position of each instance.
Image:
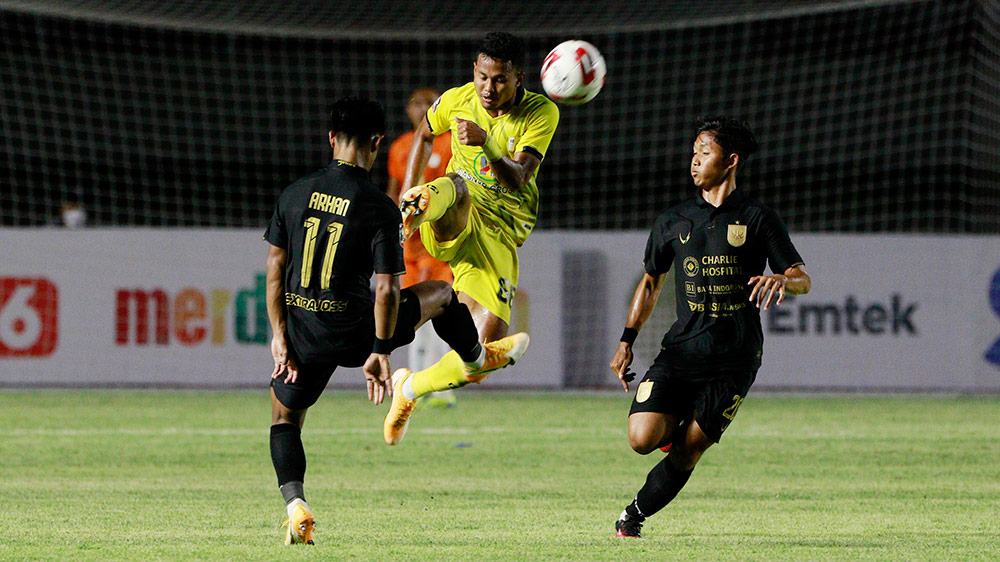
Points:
(748, 431)
(39, 432)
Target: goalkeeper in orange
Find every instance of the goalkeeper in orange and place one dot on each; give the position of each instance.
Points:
(426, 347)
(477, 215)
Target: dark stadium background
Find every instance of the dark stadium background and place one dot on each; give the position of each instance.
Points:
(873, 116)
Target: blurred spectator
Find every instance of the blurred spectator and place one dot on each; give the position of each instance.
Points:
(72, 213)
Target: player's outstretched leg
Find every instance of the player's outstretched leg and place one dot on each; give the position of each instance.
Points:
(425, 348)
(444, 202)
(443, 399)
(448, 373)
(499, 354)
(452, 372)
(453, 323)
(426, 203)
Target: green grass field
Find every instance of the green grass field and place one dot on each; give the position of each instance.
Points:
(505, 476)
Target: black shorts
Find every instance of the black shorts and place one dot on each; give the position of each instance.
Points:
(313, 377)
(710, 398)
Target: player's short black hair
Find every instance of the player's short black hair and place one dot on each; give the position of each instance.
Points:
(357, 118)
(504, 47)
(732, 135)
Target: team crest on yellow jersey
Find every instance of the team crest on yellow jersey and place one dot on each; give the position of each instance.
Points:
(737, 235)
(643, 392)
(483, 170)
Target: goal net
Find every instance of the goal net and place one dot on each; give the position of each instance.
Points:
(874, 116)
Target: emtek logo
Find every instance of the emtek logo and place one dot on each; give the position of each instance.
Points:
(29, 319)
(191, 316)
(894, 317)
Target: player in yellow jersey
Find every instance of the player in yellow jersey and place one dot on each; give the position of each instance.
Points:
(477, 216)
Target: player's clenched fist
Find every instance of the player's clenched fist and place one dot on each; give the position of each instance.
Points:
(469, 133)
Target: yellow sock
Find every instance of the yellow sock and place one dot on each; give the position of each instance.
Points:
(442, 197)
(446, 373)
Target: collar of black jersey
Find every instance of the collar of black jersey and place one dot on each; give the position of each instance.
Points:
(347, 166)
(734, 199)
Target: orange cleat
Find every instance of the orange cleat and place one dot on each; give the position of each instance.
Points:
(394, 427)
(499, 354)
(412, 205)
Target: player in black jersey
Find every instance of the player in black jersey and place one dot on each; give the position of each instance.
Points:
(717, 244)
(330, 231)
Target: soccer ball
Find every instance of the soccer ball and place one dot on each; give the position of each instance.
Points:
(573, 73)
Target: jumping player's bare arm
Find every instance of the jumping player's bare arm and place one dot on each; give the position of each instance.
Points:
(643, 303)
(392, 190)
(421, 149)
(284, 365)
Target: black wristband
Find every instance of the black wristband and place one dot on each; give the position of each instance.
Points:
(629, 335)
(382, 346)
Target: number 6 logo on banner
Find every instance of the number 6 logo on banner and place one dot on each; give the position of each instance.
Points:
(28, 317)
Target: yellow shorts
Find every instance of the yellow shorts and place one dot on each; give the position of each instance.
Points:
(483, 258)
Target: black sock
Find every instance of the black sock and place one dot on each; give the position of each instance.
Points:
(292, 491)
(456, 328)
(633, 512)
(288, 456)
(662, 485)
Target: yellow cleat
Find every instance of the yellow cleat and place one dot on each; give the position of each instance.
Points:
(412, 205)
(499, 354)
(300, 526)
(398, 417)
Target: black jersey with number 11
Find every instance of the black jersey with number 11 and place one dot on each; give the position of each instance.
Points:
(337, 229)
(714, 252)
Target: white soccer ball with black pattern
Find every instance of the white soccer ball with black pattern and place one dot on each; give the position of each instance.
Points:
(573, 73)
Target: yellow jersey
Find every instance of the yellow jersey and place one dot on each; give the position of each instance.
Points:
(527, 127)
